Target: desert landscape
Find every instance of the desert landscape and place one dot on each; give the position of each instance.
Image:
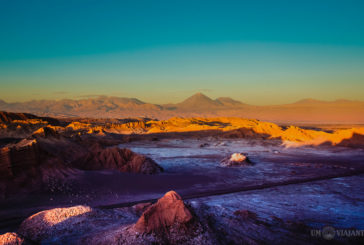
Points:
(182, 180)
(187, 122)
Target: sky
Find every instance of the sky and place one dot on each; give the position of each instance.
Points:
(259, 52)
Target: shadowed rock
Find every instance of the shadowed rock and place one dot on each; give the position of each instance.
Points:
(7, 117)
(19, 158)
(355, 141)
(123, 160)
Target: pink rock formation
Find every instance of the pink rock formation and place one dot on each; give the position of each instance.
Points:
(169, 211)
(168, 221)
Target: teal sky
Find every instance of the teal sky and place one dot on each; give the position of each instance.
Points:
(259, 52)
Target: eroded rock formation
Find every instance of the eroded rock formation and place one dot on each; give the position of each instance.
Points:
(19, 125)
(46, 132)
(18, 158)
(169, 211)
(123, 160)
(168, 221)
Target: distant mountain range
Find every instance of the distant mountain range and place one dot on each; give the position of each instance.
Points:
(198, 105)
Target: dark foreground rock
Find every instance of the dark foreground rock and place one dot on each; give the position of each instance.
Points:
(47, 148)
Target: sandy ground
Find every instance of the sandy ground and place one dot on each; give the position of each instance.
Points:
(337, 202)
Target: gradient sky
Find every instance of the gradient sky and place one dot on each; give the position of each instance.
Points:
(259, 52)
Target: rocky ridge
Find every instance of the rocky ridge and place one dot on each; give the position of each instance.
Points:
(291, 136)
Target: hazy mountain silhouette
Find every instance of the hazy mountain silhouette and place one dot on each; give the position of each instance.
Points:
(226, 101)
(198, 105)
(321, 102)
(197, 102)
(307, 101)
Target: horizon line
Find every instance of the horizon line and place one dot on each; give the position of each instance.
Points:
(88, 97)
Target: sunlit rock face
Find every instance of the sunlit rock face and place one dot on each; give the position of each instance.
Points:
(12, 238)
(46, 132)
(52, 223)
(236, 159)
(77, 225)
